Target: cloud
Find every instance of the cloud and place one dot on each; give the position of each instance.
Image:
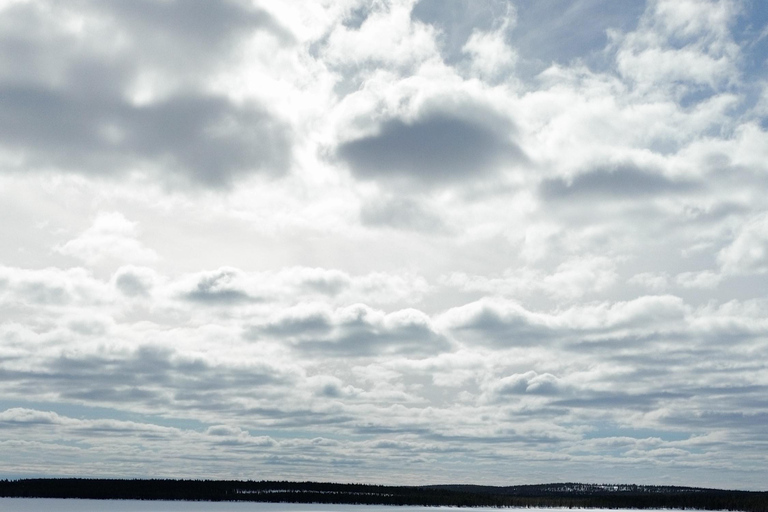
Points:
(425, 235)
(491, 58)
(748, 252)
(681, 45)
(506, 324)
(401, 213)
(570, 280)
(216, 288)
(526, 383)
(110, 237)
(354, 331)
(154, 376)
(84, 109)
(613, 184)
(135, 281)
(210, 25)
(435, 149)
(458, 20)
(650, 280)
(51, 288)
(703, 279)
(230, 286)
(201, 138)
(21, 416)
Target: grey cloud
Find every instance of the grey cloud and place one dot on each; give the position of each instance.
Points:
(486, 325)
(642, 402)
(201, 23)
(369, 429)
(356, 17)
(201, 138)
(287, 418)
(717, 419)
(624, 181)
(315, 323)
(224, 430)
(528, 383)
(132, 283)
(356, 331)
(50, 288)
(365, 340)
(217, 289)
(500, 438)
(146, 375)
(438, 148)
(401, 213)
(69, 109)
(41, 293)
(326, 282)
(331, 390)
(90, 327)
(715, 213)
(507, 324)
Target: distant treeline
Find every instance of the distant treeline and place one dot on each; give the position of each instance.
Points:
(548, 495)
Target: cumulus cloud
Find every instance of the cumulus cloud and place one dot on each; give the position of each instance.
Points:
(355, 331)
(748, 252)
(526, 383)
(233, 286)
(135, 281)
(110, 237)
(506, 323)
(434, 149)
(686, 43)
(102, 110)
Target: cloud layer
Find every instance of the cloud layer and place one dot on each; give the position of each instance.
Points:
(385, 241)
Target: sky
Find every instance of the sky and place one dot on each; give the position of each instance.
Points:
(385, 241)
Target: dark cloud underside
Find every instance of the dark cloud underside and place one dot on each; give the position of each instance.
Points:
(205, 139)
(69, 107)
(612, 183)
(197, 22)
(438, 148)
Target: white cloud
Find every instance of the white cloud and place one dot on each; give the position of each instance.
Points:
(491, 56)
(110, 237)
(570, 280)
(651, 280)
(681, 41)
(703, 279)
(748, 252)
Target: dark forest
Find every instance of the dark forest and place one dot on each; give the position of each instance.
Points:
(546, 495)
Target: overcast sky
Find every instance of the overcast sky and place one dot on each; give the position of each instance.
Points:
(386, 241)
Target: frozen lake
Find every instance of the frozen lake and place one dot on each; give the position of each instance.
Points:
(54, 505)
